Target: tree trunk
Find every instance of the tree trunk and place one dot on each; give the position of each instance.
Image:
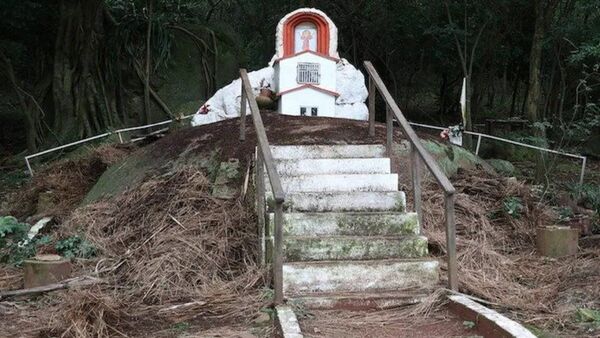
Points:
(148, 59)
(81, 104)
(543, 12)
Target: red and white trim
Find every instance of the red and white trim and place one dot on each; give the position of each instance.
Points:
(310, 86)
(309, 52)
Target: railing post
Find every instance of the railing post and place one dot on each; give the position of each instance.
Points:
(389, 130)
(478, 144)
(120, 137)
(29, 167)
(243, 114)
(415, 170)
(451, 242)
(263, 232)
(371, 107)
(584, 160)
(278, 254)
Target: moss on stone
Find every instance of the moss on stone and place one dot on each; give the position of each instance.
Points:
(339, 248)
(502, 167)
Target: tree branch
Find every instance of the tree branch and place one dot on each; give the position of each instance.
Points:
(463, 61)
(475, 45)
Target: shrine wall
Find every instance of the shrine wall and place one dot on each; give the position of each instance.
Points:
(286, 72)
(294, 100)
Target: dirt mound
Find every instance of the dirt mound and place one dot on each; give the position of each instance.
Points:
(170, 252)
(281, 129)
(58, 188)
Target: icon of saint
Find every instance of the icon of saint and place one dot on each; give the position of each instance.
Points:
(306, 36)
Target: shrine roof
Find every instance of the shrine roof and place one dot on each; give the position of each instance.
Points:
(309, 86)
(310, 52)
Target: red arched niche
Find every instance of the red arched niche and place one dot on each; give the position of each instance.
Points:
(322, 32)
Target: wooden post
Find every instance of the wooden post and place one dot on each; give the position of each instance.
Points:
(415, 171)
(389, 129)
(243, 115)
(260, 205)
(278, 254)
(371, 107)
(451, 242)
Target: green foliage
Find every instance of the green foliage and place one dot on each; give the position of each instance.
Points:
(14, 244)
(513, 206)
(75, 247)
(588, 195)
(565, 214)
(588, 317)
(180, 327)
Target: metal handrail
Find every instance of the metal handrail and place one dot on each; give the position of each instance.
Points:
(265, 160)
(418, 155)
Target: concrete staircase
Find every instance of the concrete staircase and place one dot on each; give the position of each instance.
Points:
(348, 241)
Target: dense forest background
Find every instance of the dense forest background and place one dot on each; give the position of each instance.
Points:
(76, 68)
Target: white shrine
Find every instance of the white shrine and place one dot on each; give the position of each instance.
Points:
(305, 70)
(306, 73)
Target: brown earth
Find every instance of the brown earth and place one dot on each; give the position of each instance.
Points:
(497, 257)
(384, 324)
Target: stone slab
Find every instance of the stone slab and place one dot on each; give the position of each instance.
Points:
(311, 248)
(321, 166)
(487, 321)
(348, 223)
(303, 278)
(287, 322)
(328, 151)
(366, 201)
(342, 182)
(361, 301)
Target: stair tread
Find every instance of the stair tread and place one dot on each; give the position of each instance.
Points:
(363, 237)
(364, 261)
(315, 166)
(349, 213)
(345, 201)
(365, 294)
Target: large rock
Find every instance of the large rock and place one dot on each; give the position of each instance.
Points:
(226, 103)
(502, 167)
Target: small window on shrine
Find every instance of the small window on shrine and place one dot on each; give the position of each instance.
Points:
(314, 111)
(302, 111)
(308, 73)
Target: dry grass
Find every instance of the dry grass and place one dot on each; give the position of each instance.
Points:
(64, 184)
(171, 253)
(497, 259)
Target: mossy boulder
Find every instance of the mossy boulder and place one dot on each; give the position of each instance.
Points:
(502, 167)
(451, 158)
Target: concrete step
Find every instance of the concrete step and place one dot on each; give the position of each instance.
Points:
(328, 151)
(342, 201)
(350, 182)
(359, 300)
(348, 224)
(302, 278)
(320, 166)
(297, 249)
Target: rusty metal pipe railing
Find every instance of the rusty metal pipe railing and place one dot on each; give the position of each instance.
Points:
(265, 160)
(418, 155)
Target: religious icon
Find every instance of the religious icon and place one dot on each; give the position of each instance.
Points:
(305, 37)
